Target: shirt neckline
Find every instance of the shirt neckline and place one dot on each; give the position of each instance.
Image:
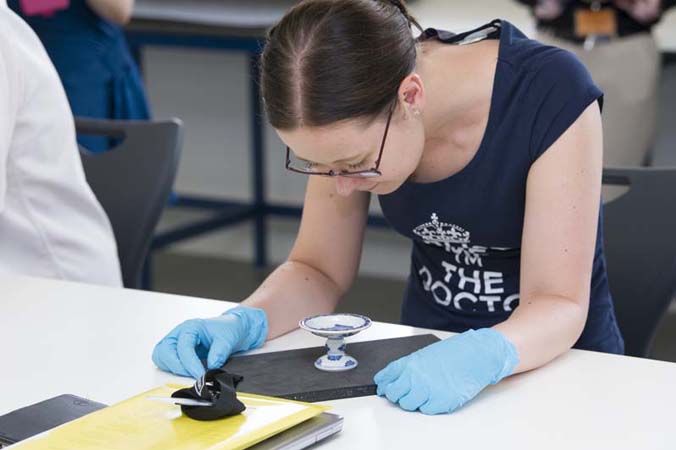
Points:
(491, 109)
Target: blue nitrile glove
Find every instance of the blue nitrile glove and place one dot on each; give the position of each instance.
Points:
(239, 329)
(442, 377)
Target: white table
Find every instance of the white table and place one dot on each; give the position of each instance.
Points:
(96, 342)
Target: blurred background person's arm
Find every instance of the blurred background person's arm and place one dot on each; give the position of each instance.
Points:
(645, 11)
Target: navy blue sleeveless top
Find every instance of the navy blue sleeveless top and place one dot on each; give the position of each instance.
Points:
(466, 229)
(95, 65)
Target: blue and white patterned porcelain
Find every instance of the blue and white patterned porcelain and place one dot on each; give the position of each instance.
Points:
(335, 328)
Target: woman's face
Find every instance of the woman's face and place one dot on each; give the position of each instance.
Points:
(353, 146)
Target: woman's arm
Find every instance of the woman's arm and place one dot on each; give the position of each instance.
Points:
(322, 265)
(118, 11)
(562, 204)
(323, 262)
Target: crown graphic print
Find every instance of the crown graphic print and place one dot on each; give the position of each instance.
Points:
(462, 282)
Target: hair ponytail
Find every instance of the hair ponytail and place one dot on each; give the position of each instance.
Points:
(401, 6)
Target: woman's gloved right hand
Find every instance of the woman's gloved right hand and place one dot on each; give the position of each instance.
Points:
(239, 329)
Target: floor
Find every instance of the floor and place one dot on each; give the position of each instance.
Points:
(376, 297)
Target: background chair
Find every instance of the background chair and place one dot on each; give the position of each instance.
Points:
(133, 181)
(640, 242)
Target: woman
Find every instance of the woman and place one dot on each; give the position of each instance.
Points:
(88, 48)
(487, 155)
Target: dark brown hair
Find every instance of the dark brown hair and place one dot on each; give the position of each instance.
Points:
(332, 60)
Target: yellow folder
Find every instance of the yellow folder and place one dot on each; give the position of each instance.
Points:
(140, 423)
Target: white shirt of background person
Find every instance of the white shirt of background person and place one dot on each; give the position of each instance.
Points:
(51, 224)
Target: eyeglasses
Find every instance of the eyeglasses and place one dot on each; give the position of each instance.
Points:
(369, 173)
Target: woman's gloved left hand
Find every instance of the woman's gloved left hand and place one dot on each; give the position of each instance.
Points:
(442, 377)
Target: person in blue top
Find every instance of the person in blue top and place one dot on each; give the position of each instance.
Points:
(484, 149)
(88, 48)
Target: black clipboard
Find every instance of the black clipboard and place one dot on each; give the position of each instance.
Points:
(291, 374)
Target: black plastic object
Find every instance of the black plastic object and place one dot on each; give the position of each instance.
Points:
(34, 419)
(218, 387)
(133, 181)
(291, 374)
(640, 240)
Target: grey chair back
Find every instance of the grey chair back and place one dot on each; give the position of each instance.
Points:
(133, 181)
(640, 243)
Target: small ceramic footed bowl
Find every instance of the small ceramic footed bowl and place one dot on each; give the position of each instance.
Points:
(335, 328)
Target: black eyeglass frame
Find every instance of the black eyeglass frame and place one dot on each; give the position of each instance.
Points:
(367, 173)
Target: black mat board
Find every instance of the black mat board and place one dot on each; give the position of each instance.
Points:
(291, 374)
